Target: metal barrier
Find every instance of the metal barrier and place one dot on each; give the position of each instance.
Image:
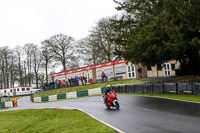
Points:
(160, 88)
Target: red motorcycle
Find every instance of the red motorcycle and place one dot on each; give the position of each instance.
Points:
(111, 100)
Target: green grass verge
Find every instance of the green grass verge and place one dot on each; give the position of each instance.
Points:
(183, 79)
(85, 87)
(3, 108)
(50, 120)
(18, 97)
(195, 98)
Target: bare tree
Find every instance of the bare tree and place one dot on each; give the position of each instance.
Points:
(74, 62)
(37, 58)
(18, 52)
(62, 47)
(29, 52)
(47, 55)
(102, 34)
(13, 69)
(5, 65)
(90, 51)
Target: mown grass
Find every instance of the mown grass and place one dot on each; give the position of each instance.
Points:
(50, 120)
(188, 97)
(3, 109)
(85, 87)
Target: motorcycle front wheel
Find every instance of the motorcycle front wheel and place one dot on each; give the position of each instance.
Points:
(107, 106)
(116, 105)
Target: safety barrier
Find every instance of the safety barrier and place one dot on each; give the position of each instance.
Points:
(6, 104)
(75, 94)
(159, 88)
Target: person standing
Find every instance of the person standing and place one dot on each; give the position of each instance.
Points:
(139, 71)
(15, 101)
(103, 76)
(84, 78)
(81, 78)
(70, 82)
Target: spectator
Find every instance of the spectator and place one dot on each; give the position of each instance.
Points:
(84, 78)
(77, 80)
(81, 78)
(139, 71)
(63, 83)
(103, 76)
(70, 82)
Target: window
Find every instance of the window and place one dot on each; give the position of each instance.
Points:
(131, 71)
(17, 89)
(10, 90)
(149, 68)
(120, 70)
(4, 91)
(108, 72)
(99, 74)
(23, 89)
(173, 66)
(159, 67)
(27, 89)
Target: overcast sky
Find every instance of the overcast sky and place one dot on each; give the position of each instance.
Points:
(32, 21)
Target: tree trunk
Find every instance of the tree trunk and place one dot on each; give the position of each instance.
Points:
(46, 67)
(36, 74)
(64, 65)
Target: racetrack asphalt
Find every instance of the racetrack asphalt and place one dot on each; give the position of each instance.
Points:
(137, 114)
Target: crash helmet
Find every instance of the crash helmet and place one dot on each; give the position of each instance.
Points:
(108, 87)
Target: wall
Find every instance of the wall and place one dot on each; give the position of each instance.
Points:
(159, 73)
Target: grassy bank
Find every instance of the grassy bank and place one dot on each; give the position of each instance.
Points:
(195, 98)
(50, 120)
(85, 87)
(182, 79)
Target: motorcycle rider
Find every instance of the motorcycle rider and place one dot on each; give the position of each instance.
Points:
(108, 89)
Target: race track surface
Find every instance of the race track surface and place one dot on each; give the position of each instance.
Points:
(137, 114)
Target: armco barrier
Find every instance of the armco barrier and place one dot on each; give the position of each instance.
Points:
(61, 96)
(6, 104)
(82, 93)
(9, 104)
(72, 95)
(53, 98)
(2, 105)
(95, 91)
(44, 99)
(37, 99)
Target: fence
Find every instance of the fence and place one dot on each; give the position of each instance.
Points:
(160, 88)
